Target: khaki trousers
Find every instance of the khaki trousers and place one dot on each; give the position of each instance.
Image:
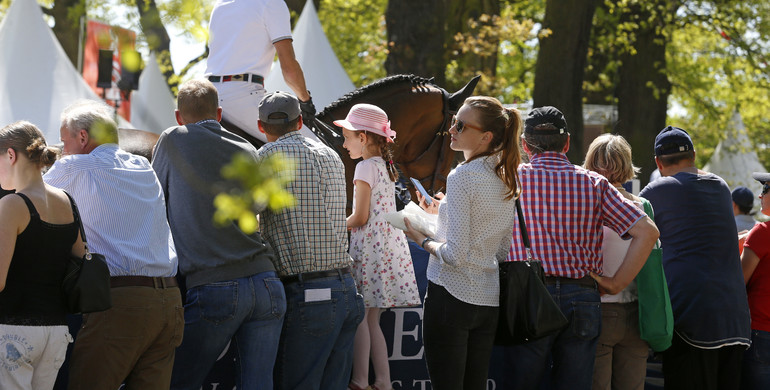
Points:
(133, 342)
(621, 355)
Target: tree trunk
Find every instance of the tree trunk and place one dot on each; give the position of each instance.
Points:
(472, 63)
(642, 92)
(416, 31)
(67, 15)
(561, 64)
(157, 39)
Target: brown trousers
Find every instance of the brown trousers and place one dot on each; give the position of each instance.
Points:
(621, 355)
(133, 342)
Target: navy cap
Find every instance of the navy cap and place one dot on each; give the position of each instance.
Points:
(546, 120)
(278, 101)
(672, 140)
(762, 177)
(742, 196)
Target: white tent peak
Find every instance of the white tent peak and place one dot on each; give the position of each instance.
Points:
(37, 79)
(324, 75)
(734, 159)
(152, 105)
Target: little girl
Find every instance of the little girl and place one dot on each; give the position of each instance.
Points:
(382, 263)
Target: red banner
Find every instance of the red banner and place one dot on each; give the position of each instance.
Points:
(101, 36)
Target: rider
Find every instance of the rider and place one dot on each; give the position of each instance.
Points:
(244, 38)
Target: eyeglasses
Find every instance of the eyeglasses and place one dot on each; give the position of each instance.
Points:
(460, 125)
(765, 188)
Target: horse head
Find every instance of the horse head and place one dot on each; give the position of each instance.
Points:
(420, 113)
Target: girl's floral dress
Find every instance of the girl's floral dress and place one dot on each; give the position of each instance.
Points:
(382, 264)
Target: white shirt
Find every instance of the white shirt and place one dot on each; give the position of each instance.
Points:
(475, 223)
(242, 33)
(122, 208)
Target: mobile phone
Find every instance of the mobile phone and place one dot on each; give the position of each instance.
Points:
(420, 188)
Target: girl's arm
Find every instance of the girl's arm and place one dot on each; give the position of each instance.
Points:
(360, 214)
(14, 212)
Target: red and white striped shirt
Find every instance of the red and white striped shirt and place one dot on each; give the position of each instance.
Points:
(565, 207)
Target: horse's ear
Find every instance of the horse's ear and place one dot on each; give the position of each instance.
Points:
(456, 99)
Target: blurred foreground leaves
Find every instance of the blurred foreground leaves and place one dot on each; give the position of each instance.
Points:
(262, 185)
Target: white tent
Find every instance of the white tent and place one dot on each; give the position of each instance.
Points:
(37, 79)
(324, 75)
(735, 159)
(152, 105)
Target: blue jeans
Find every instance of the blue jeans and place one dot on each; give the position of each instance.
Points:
(756, 362)
(568, 357)
(249, 311)
(316, 350)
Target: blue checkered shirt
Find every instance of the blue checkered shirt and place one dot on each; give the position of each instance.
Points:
(312, 236)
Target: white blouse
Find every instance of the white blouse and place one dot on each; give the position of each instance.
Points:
(475, 224)
(614, 250)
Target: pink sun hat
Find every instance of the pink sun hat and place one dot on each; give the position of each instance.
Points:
(368, 117)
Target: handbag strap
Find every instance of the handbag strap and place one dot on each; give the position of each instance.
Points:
(523, 231)
(78, 221)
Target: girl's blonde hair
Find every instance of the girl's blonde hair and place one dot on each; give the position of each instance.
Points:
(610, 155)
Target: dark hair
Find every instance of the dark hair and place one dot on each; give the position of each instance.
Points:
(744, 209)
(386, 151)
(198, 100)
(539, 143)
(26, 138)
(505, 126)
(675, 158)
(279, 129)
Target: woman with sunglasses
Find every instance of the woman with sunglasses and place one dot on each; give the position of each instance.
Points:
(755, 261)
(475, 224)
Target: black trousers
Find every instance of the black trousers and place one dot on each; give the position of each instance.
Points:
(458, 340)
(686, 367)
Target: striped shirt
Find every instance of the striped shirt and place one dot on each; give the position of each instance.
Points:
(312, 236)
(565, 207)
(122, 208)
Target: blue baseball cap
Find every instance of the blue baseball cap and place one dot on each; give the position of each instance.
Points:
(742, 196)
(672, 140)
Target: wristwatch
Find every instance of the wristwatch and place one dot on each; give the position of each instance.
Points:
(425, 241)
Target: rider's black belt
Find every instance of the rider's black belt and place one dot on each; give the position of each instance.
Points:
(248, 77)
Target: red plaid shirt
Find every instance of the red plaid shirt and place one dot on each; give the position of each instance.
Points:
(565, 207)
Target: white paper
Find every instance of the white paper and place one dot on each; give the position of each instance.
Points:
(424, 222)
(318, 294)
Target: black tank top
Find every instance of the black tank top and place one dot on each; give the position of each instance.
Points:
(33, 294)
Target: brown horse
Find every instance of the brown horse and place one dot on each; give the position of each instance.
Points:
(419, 112)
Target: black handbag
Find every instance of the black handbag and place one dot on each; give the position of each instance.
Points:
(527, 310)
(86, 283)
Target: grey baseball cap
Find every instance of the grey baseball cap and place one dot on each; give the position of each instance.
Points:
(278, 102)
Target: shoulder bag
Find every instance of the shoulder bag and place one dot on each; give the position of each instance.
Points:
(86, 282)
(656, 319)
(527, 310)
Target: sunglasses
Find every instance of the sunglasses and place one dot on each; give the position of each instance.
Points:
(765, 188)
(460, 125)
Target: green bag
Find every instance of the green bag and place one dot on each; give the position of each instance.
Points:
(656, 320)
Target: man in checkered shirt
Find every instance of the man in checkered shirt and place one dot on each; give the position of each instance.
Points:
(311, 245)
(565, 207)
